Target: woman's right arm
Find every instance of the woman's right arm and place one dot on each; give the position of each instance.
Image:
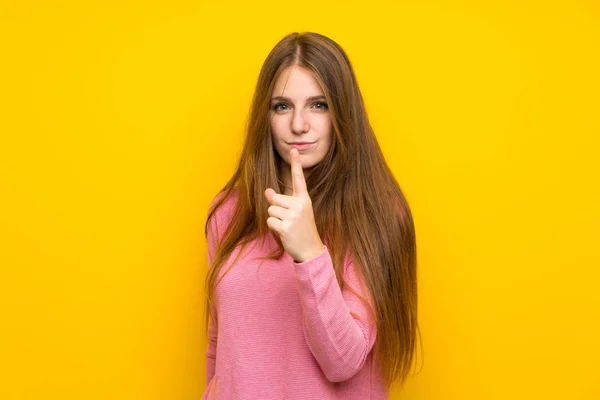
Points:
(211, 350)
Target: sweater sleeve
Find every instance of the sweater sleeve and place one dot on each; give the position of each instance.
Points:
(211, 350)
(338, 328)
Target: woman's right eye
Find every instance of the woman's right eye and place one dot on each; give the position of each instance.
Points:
(277, 105)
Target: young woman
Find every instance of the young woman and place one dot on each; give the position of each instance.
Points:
(312, 285)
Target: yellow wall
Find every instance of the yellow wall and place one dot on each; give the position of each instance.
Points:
(120, 121)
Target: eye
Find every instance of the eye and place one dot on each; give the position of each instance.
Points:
(275, 107)
(325, 107)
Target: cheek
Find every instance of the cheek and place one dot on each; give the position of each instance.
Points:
(277, 128)
(325, 124)
(326, 129)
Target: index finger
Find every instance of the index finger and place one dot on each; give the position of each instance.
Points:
(298, 181)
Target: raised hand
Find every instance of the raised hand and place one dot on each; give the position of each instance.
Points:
(292, 217)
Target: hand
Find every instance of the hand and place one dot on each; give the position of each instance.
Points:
(292, 217)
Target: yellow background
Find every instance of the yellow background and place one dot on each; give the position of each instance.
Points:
(120, 121)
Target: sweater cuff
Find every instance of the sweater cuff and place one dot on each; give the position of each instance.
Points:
(312, 260)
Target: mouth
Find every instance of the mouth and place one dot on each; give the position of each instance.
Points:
(301, 145)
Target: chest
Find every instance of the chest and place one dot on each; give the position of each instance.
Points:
(257, 288)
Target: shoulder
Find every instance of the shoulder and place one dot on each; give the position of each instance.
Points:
(229, 202)
(224, 211)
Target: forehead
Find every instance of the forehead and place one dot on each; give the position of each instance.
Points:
(296, 81)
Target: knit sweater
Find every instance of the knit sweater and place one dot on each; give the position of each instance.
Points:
(285, 330)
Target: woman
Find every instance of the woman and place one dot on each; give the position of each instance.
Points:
(312, 289)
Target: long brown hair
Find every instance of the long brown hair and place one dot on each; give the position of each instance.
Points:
(357, 202)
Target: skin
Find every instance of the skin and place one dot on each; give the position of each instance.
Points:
(297, 119)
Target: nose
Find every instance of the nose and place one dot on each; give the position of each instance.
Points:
(299, 123)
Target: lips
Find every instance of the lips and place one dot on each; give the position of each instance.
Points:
(301, 145)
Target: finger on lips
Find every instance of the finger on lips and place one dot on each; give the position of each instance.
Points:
(298, 185)
(298, 182)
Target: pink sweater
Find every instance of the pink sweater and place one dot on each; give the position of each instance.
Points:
(286, 330)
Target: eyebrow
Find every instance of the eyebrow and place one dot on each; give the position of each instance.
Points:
(311, 98)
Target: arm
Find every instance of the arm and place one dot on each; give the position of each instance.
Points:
(211, 350)
(338, 328)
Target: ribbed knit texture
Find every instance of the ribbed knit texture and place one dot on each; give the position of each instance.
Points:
(286, 330)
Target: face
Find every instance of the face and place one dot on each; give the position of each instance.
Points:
(299, 113)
